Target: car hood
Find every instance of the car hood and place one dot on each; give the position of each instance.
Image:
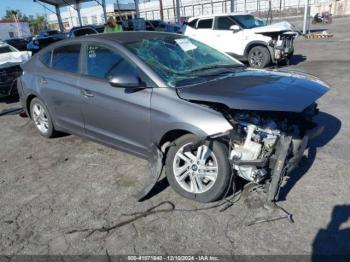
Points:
(14, 58)
(262, 90)
(277, 27)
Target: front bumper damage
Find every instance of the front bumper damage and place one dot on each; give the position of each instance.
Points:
(282, 48)
(284, 159)
(8, 80)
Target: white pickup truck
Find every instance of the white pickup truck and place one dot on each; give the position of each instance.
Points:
(244, 36)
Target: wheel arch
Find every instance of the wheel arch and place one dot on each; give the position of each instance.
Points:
(27, 104)
(171, 136)
(254, 44)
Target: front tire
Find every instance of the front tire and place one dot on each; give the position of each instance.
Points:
(41, 118)
(259, 57)
(201, 174)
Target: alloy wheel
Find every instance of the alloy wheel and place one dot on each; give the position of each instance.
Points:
(257, 58)
(40, 118)
(195, 171)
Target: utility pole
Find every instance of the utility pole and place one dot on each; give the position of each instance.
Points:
(161, 9)
(175, 10)
(137, 10)
(232, 6)
(306, 16)
(178, 14)
(104, 10)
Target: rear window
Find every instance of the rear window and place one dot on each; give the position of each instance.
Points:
(53, 32)
(205, 24)
(6, 49)
(84, 31)
(66, 58)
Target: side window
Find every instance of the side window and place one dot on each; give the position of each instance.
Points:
(205, 24)
(224, 23)
(103, 62)
(66, 58)
(46, 58)
(192, 23)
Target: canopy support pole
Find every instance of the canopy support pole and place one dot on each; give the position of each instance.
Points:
(104, 10)
(59, 18)
(77, 7)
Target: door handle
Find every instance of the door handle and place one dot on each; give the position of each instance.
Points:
(42, 81)
(87, 93)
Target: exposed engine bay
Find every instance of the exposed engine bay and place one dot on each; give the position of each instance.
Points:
(281, 45)
(256, 135)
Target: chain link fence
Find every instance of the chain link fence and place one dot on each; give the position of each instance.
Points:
(292, 10)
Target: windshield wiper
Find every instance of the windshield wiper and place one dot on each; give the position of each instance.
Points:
(214, 66)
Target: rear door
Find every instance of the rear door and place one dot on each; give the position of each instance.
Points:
(58, 86)
(114, 115)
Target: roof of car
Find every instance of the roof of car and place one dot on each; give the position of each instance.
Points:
(130, 36)
(215, 15)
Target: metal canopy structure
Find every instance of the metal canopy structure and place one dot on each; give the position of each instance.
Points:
(76, 3)
(62, 3)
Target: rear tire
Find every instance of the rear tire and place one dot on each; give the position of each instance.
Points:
(259, 57)
(205, 179)
(41, 118)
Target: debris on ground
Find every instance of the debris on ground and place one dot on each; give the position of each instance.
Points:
(255, 198)
(323, 34)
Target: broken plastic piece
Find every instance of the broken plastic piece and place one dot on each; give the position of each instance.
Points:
(155, 162)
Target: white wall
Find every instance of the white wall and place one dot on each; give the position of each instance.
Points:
(10, 28)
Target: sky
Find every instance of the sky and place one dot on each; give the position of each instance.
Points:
(28, 7)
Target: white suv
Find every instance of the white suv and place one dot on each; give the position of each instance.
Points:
(244, 36)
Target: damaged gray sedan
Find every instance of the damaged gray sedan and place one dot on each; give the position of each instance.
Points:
(177, 102)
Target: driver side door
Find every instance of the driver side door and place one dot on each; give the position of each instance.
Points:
(117, 116)
(228, 41)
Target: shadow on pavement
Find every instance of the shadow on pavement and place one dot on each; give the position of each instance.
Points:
(332, 126)
(333, 243)
(9, 99)
(296, 59)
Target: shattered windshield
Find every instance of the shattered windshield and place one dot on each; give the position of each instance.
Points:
(182, 61)
(249, 21)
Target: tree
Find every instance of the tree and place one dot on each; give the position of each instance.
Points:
(38, 23)
(12, 13)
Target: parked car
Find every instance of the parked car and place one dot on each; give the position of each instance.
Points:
(81, 31)
(18, 43)
(155, 25)
(167, 97)
(244, 36)
(10, 60)
(135, 24)
(173, 28)
(322, 18)
(45, 38)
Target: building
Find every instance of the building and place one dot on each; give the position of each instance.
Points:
(11, 29)
(91, 15)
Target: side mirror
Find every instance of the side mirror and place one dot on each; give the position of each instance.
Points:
(235, 28)
(126, 80)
